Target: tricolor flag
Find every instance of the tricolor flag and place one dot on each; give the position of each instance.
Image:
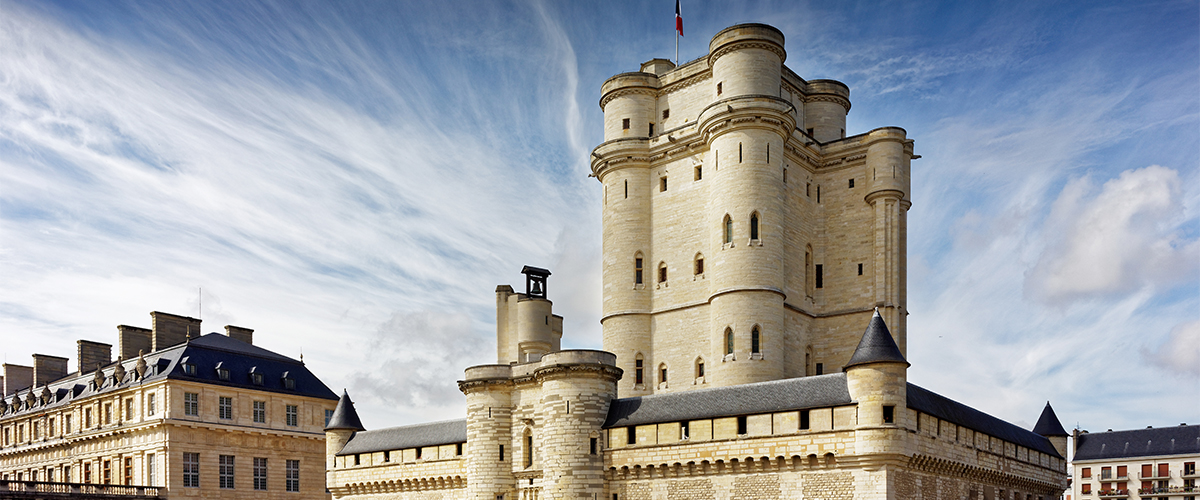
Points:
(678, 19)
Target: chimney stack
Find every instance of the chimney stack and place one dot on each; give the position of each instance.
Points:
(92, 354)
(238, 333)
(131, 340)
(48, 368)
(17, 377)
(170, 329)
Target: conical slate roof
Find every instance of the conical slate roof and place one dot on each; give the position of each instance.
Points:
(876, 345)
(1048, 424)
(344, 417)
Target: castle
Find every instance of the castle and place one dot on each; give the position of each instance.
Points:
(753, 326)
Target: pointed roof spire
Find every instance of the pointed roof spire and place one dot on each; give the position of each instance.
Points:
(1048, 424)
(876, 346)
(344, 417)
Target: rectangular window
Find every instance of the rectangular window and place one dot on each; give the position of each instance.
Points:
(225, 472)
(128, 471)
(1085, 489)
(328, 417)
(1163, 470)
(719, 87)
(662, 274)
(820, 368)
(741, 421)
(260, 474)
(151, 404)
(49, 475)
(685, 430)
(804, 422)
(698, 173)
(260, 413)
(625, 124)
(889, 414)
(1122, 471)
(108, 413)
(1105, 473)
(699, 266)
(293, 415)
(851, 182)
(67, 474)
(637, 364)
(66, 424)
(458, 449)
(1189, 468)
(666, 114)
(293, 475)
(37, 430)
(87, 473)
(151, 471)
(357, 459)
(50, 428)
(191, 404)
(387, 456)
(1086, 472)
(191, 470)
(501, 453)
(592, 446)
(860, 269)
(651, 129)
(637, 273)
(819, 276)
(630, 435)
(528, 451)
(225, 408)
(662, 184)
(106, 472)
(128, 408)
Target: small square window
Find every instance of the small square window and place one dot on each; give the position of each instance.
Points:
(851, 182)
(666, 114)
(889, 414)
(625, 124)
(719, 87)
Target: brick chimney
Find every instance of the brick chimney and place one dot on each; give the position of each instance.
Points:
(131, 339)
(170, 329)
(238, 333)
(48, 368)
(91, 354)
(17, 377)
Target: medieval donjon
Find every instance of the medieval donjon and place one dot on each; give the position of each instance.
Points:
(754, 323)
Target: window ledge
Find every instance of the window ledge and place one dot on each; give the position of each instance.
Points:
(729, 357)
(756, 355)
(726, 245)
(639, 286)
(699, 381)
(661, 284)
(697, 276)
(756, 243)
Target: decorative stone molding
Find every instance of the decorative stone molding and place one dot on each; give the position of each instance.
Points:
(829, 98)
(624, 92)
(776, 49)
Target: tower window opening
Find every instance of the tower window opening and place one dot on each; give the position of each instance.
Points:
(804, 422)
(785, 175)
(699, 367)
(637, 370)
(810, 132)
(699, 264)
(739, 152)
(719, 87)
(662, 272)
(851, 183)
(418, 453)
(666, 114)
(728, 341)
(820, 368)
(843, 133)
(699, 173)
(501, 453)
(819, 278)
(662, 184)
(754, 226)
(741, 425)
(592, 446)
(808, 189)
(630, 435)
(651, 129)
(637, 269)
(755, 338)
(889, 414)
(818, 193)
(627, 189)
(528, 449)
(662, 373)
(860, 268)
(728, 229)
(684, 430)
(625, 124)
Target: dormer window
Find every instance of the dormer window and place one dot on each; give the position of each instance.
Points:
(289, 383)
(256, 377)
(222, 372)
(188, 368)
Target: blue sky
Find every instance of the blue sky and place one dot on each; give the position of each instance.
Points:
(352, 180)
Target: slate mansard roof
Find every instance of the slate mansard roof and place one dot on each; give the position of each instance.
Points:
(206, 353)
(1151, 442)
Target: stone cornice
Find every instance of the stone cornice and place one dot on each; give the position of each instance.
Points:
(402, 485)
(624, 92)
(836, 99)
(771, 47)
(943, 467)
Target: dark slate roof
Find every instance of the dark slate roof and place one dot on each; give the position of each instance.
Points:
(205, 352)
(763, 397)
(1178, 440)
(957, 413)
(1048, 424)
(344, 416)
(409, 436)
(876, 346)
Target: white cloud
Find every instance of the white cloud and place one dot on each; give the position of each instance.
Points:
(1181, 351)
(1117, 240)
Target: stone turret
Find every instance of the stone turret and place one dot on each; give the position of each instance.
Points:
(877, 378)
(342, 425)
(526, 326)
(1049, 426)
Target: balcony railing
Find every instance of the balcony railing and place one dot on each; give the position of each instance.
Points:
(1114, 493)
(1154, 476)
(42, 489)
(1111, 477)
(1168, 489)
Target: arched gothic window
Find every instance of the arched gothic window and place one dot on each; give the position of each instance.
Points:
(637, 268)
(755, 339)
(728, 341)
(754, 226)
(638, 361)
(662, 373)
(699, 367)
(662, 272)
(728, 229)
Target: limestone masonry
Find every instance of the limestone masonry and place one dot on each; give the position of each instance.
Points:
(754, 324)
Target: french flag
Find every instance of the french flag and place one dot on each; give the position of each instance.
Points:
(678, 19)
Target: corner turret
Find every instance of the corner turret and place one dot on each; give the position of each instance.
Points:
(877, 379)
(526, 327)
(342, 426)
(1051, 428)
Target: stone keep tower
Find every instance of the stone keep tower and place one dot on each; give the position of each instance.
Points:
(746, 238)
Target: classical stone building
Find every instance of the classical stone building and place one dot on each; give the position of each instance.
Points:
(754, 323)
(1150, 463)
(181, 414)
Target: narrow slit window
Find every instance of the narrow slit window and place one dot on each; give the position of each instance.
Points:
(860, 269)
(754, 226)
(739, 152)
(630, 435)
(768, 152)
(662, 373)
(637, 270)
(728, 341)
(755, 339)
(651, 129)
(728, 229)
(592, 446)
(626, 189)
(501, 453)
(699, 264)
(719, 87)
(662, 184)
(820, 368)
(819, 279)
(808, 189)
(625, 124)
(699, 368)
(662, 272)
(528, 450)
(851, 183)
(785, 175)
(637, 370)
(699, 173)
(818, 193)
